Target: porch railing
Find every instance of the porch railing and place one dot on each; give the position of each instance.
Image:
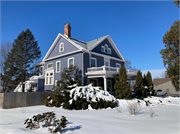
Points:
(106, 68)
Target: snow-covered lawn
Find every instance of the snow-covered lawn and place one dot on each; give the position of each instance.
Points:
(104, 121)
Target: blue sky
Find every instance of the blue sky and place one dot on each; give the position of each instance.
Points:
(137, 28)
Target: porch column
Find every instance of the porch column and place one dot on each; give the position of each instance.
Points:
(105, 83)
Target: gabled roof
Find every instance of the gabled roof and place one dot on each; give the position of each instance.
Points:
(83, 46)
(160, 81)
(92, 44)
(55, 42)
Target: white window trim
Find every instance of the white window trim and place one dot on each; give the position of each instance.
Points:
(59, 67)
(70, 59)
(118, 64)
(101, 48)
(105, 59)
(48, 72)
(60, 47)
(50, 63)
(42, 71)
(109, 51)
(95, 61)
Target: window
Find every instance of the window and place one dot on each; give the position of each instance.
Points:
(61, 47)
(57, 66)
(102, 49)
(106, 62)
(109, 51)
(118, 65)
(49, 80)
(50, 65)
(106, 49)
(41, 71)
(70, 61)
(93, 62)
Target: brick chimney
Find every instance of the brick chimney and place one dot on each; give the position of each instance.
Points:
(67, 29)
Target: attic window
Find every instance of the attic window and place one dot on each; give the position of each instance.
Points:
(61, 47)
(106, 49)
(109, 51)
(102, 49)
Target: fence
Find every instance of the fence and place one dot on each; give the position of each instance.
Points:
(21, 99)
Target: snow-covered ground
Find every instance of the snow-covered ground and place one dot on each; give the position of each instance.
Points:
(104, 121)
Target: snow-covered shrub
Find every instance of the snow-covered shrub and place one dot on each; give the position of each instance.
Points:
(33, 122)
(83, 96)
(134, 108)
(48, 101)
(57, 100)
(54, 125)
(48, 117)
(58, 125)
(80, 97)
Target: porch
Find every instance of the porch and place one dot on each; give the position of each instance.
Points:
(104, 76)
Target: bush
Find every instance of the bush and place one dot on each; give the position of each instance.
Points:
(80, 97)
(151, 113)
(133, 108)
(48, 118)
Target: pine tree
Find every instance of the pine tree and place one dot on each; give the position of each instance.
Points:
(138, 87)
(171, 52)
(24, 52)
(149, 84)
(122, 87)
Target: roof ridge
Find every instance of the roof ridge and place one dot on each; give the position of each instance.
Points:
(78, 40)
(97, 38)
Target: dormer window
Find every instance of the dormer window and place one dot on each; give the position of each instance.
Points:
(102, 49)
(106, 49)
(109, 51)
(61, 47)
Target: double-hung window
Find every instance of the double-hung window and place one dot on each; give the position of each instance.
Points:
(61, 47)
(50, 65)
(93, 62)
(102, 49)
(58, 66)
(41, 71)
(109, 51)
(49, 77)
(71, 61)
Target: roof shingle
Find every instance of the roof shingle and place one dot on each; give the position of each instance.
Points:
(160, 81)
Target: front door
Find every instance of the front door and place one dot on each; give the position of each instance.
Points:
(109, 85)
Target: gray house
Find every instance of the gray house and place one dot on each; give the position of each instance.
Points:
(99, 60)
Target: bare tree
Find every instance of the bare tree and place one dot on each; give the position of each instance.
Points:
(134, 108)
(129, 66)
(4, 49)
(164, 75)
